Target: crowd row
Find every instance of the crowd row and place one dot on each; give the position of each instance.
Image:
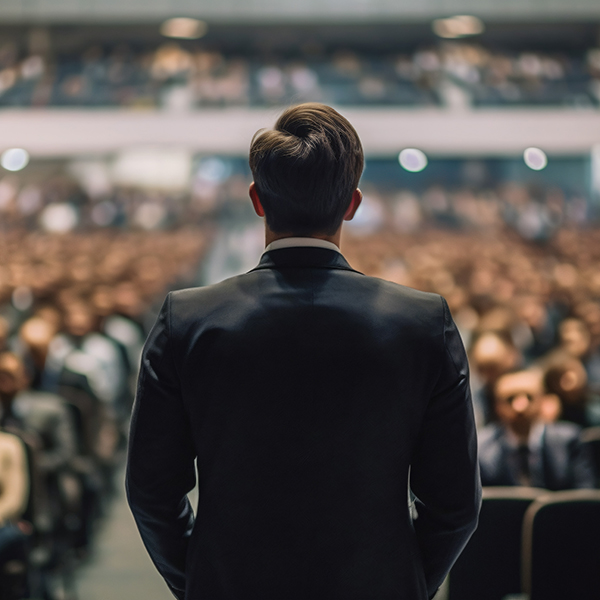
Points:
(529, 316)
(178, 78)
(76, 308)
(59, 204)
(74, 316)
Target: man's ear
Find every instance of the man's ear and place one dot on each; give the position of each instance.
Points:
(354, 204)
(258, 209)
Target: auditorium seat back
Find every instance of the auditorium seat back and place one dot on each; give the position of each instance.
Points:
(561, 546)
(490, 567)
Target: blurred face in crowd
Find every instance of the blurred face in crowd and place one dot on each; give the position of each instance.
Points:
(500, 318)
(519, 400)
(533, 311)
(492, 356)
(36, 333)
(573, 381)
(127, 299)
(79, 319)
(574, 337)
(568, 380)
(103, 300)
(589, 312)
(51, 315)
(12, 375)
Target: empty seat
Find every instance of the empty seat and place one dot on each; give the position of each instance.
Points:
(490, 567)
(561, 546)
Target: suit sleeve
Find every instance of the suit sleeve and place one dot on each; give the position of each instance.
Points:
(444, 468)
(160, 464)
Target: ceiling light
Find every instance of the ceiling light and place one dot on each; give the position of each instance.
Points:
(459, 26)
(14, 159)
(183, 28)
(412, 160)
(535, 158)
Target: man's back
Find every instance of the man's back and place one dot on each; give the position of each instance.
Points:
(305, 390)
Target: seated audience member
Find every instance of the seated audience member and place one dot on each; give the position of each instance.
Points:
(576, 340)
(537, 317)
(14, 492)
(32, 343)
(82, 349)
(492, 355)
(522, 449)
(44, 416)
(41, 412)
(567, 379)
(125, 333)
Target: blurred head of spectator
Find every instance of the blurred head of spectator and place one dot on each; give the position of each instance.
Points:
(567, 380)
(589, 312)
(51, 315)
(80, 319)
(127, 300)
(13, 378)
(36, 334)
(574, 336)
(532, 310)
(492, 355)
(519, 400)
(103, 300)
(500, 319)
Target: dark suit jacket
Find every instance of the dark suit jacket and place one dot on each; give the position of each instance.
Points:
(305, 390)
(563, 463)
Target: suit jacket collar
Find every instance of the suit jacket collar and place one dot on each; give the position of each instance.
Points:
(303, 257)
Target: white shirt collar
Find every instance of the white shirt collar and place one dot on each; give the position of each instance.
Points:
(295, 242)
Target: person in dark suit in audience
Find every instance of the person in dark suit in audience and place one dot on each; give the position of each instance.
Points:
(522, 449)
(307, 392)
(44, 418)
(44, 413)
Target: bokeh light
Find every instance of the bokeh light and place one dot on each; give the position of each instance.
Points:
(535, 159)
(458, 26)
(184, 28)
(14, 159)
(214, 169)
(412, 160)
(59, 218)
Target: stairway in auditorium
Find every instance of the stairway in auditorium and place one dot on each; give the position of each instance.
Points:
(119, 568)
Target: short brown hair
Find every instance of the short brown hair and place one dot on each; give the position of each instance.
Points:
(306, 169)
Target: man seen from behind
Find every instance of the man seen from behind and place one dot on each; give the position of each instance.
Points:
(307, 392)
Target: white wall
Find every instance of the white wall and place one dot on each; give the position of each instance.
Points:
(60, 132)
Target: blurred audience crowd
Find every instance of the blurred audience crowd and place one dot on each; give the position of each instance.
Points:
(60, 203)
(533, 212)
(517, 265)
(74, 312)
(182, 77)
(529, 316)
